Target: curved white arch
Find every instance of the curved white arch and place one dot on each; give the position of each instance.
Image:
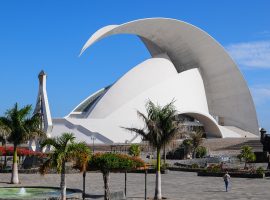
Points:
(210, 125)
(189, 47)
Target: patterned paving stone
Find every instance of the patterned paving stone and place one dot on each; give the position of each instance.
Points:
(175, 185)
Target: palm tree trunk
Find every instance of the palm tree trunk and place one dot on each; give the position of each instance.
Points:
(158, 178)
(63, 182)
(15, 173)
(164, 151)
(193, 153)
(5, 161)
(106, 178)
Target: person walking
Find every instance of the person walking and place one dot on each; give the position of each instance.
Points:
(226, 178)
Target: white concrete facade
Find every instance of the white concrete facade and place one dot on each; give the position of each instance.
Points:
(187, 65)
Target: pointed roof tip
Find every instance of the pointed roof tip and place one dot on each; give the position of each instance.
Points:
(42, 73)
(83, 49)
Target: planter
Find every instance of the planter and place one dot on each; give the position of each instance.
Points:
(185, 169)
(149, 171)
(234, 174)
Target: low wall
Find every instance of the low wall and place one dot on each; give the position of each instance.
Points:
(234, 174)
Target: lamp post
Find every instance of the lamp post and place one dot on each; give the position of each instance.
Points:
(145, 184)
(93, 139)
(125, 183)
(265, 140)
(84, 175)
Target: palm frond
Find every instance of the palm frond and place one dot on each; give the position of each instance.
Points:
(5, 123)
(65, 149)
(197, 138)
(65, 139)
(170, 136)
(141, 132)
(4, 129)
(21, 126)
(80, 154)
(25, 111)
(160, 124)
(50, 142)
(59, 159)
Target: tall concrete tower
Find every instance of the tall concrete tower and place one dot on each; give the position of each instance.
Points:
(42, 105)
(43, 108)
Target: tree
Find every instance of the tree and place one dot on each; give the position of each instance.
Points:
(201, 151)
(187, 144)
(20, 128)
(196, 140)
(160, 128)
(134, 150)
(247, 154)
(4, 133)
(108, 162)
(65, 149)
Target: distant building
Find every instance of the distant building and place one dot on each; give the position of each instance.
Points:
(187, 65)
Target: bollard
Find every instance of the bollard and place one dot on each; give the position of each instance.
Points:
(126, 183)
(145, 185)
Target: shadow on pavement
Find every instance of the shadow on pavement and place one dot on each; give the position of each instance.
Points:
(94, 196)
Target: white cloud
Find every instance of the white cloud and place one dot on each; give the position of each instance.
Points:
(261, 97)
(261, 94)
(251, 54)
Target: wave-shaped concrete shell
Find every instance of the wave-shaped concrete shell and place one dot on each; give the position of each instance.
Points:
(118, 107)
(188, 47)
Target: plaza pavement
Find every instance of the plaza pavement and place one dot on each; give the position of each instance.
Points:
(175, 185)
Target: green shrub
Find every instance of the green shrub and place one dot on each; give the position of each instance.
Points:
(106, 162)
(247, 155)
(178, 154)
(214, 168)
(163, 166)
(187, 144)
(109, 162)
(134, 150)
(194, 165)
(201, 151)
(260, 170)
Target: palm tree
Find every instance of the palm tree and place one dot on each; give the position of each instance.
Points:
(247, 154)
(160, 128)
(65, 149)
(196, 140)
(187, 145)
(20, 128)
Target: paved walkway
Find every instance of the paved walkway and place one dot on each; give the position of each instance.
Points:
(175, 185)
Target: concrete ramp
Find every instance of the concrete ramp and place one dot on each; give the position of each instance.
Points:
(242, 133)
(231, 145)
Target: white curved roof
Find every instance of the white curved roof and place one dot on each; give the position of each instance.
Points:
(189, 47)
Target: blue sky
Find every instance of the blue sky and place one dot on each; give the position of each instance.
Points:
(49, 35)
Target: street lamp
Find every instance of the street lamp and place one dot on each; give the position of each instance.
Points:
(93, 139)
